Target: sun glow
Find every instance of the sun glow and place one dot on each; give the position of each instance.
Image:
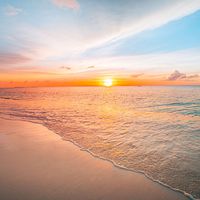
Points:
(108, 82)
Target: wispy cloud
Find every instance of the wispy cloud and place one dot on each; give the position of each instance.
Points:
(72, 4)
(136, 75)
(145, 63)
(41, 73)
(193, 76)
(66, 39)
(113, 26)
(91, 67)
(11, 58)
(11, 10)
(66, 67)
(104, 27)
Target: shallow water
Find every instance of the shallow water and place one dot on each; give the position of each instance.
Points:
(150, 129)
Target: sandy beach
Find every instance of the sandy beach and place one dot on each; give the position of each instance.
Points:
(36, 164)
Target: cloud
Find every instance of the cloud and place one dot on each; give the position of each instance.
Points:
(107, 23)
(12, 11)
(66, 67)
(12, 58)
(153, 63)
(176, 75)
(136, 75)
(41, 73)
(91, 67)
(113, 22)
(72, 4)
(99, 27)
(193, 76)
(19, 68)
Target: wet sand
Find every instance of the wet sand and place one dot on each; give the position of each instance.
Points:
(36, 164)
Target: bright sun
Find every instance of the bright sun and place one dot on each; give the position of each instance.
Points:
(108, 82)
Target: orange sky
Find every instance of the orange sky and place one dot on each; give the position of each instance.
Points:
(45, 81)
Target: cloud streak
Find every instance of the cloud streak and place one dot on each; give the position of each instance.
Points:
(193, 76)
(12, 58)
(112, 26)
(151, 63)
(95, 28)
(66, 67)
(136, 75)
(72, 4)
(91, 67)
(12, 11)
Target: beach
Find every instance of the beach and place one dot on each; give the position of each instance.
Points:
(37, 164)
(100, 100)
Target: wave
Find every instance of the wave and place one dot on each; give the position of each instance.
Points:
(10, 98)
(189, 196)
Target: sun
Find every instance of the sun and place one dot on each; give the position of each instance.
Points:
(108, 82)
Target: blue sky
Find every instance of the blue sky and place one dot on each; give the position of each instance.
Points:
(117, 37)
(177, 35)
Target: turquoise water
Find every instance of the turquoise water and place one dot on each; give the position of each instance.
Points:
(155, 130)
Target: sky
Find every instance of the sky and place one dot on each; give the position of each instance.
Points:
(83, 42)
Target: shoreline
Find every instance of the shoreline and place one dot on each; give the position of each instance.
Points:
(160, 190)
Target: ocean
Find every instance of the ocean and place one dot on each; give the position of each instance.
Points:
(152, 130)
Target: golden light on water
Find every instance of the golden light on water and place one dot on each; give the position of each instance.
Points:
(108, 82)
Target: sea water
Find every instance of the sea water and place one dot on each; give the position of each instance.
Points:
(154, 130)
